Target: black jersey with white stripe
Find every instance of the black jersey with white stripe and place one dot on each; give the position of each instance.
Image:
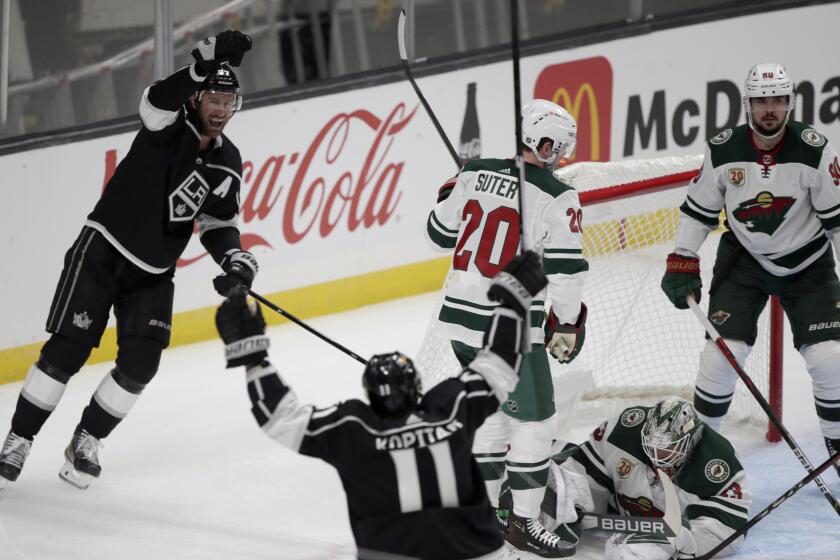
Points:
(164, 185)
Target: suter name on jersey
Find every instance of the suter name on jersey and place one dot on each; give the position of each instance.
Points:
(779, 203)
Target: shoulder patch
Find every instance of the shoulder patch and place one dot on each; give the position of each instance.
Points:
(717, 470)
(721, 137)
(813, 138)
(632, 417)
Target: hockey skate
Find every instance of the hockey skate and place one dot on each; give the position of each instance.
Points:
(528, 535)
(82, 461)
(14, 454)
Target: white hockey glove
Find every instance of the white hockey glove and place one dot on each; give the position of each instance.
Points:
(685, 544)
(565, 341)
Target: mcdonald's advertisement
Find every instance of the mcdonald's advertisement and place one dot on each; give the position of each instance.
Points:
(335, 190)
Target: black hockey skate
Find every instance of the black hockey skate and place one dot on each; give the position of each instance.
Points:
(530, 536)
(14, 454)
(833, 446)
(82, 461)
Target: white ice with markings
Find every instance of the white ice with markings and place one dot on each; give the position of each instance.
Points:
(188, 475)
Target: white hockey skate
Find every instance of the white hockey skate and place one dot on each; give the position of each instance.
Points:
(81, 463)
(13, 455)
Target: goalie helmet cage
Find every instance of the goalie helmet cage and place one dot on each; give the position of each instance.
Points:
(638, 346)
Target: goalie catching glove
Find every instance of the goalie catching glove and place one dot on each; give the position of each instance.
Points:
(682, 277)
(242, 328)
(565, 341)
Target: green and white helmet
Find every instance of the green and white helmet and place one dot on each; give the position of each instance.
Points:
(670, 432)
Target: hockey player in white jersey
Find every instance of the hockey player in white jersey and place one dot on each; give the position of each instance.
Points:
(477, 215)
(616, 470)
(779, 182)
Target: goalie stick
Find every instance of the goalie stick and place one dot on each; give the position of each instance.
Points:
(298, 322)
(407, 68)
(666, 526)
(727, 353)
(813, 475)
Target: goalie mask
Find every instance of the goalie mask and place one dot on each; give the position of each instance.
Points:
(222, 80)
(670, 432)
(768, 80)
(543, 120)
(392, 385)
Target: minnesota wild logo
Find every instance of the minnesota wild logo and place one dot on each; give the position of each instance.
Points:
(764, 213)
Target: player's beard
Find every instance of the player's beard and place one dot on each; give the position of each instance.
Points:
(769, 127)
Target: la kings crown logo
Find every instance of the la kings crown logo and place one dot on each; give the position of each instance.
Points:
(764, 213)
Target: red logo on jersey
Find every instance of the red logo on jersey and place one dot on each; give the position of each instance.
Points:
(641, 506)
(584, 89)
(734, 491)
(834, 170)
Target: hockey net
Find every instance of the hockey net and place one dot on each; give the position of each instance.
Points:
(638, 346)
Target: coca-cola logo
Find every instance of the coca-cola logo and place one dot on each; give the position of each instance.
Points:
(333, 185)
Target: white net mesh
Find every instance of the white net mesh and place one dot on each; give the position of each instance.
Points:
(638, 346)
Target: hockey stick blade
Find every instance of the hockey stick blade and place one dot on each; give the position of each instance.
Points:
(280, 311)
(773, 505)
(420, 96)
(666, 526)
(727, 353)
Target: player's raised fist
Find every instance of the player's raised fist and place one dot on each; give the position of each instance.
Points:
(228, 46)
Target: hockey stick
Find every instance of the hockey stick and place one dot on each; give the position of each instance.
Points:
(407, 68)
(300, 323)
(667, 526)
(813, 475)
(517, 116)
(727, 353)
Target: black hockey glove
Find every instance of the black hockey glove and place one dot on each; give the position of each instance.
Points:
(242, 328)
(240, 268)
(228, 46)
(521, 280)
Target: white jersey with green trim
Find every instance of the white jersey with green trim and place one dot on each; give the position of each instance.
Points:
(783, 205)
(478, 216)
(711, 484)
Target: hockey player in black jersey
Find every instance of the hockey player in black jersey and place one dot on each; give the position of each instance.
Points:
(181, 170)
(405, 461)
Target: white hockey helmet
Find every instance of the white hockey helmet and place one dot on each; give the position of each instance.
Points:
(543, 119)
(768, 79)
(670, 432)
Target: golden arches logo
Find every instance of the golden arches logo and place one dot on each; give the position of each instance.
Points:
(563, 98)
(584, 88)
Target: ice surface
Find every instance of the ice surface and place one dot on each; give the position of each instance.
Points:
(188, 475)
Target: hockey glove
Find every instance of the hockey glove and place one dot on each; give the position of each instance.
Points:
(565, 341)
(240, 268)
(682, 277)
(521, 280)
(228, 46)
(242, 328)
(446, 189)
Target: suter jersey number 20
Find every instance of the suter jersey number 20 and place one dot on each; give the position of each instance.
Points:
(480, 220)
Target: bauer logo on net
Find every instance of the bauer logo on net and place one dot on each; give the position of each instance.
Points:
(584, 88)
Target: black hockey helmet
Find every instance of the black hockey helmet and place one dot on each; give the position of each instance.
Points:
(392, 384)
(222, 80)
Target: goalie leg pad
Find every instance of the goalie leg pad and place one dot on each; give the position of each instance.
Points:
(638, 547)
(527, 464)
(823, 362)
(716, 380)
